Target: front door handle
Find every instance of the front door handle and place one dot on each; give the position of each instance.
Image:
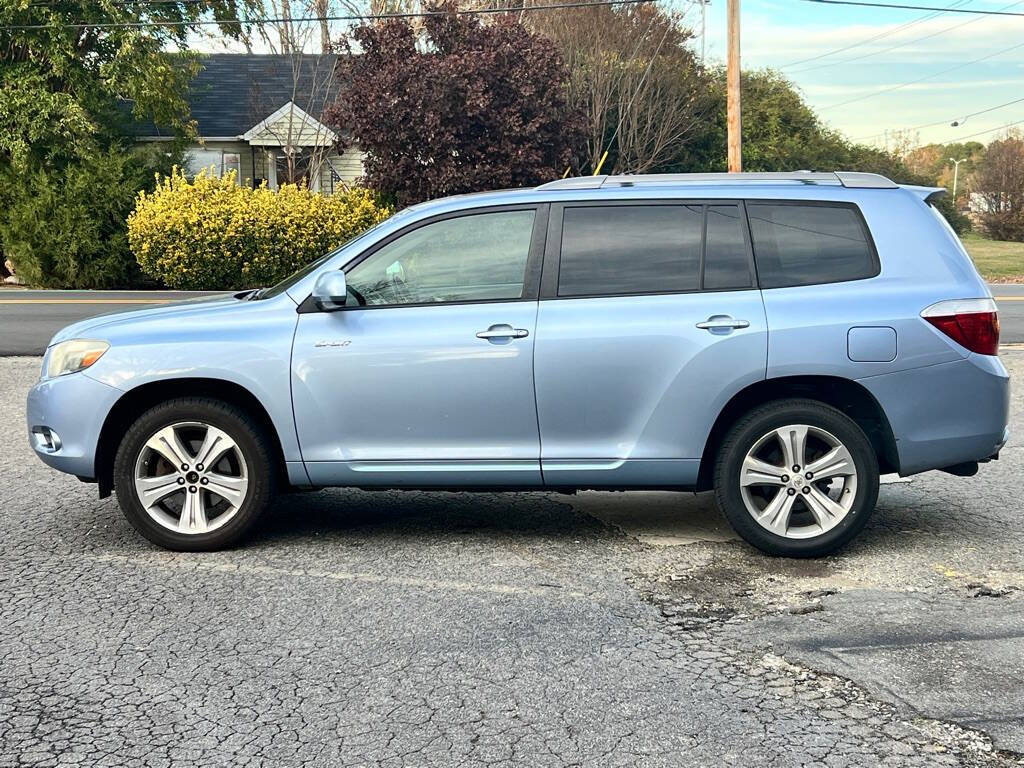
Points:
(503, 331)
(722, 322)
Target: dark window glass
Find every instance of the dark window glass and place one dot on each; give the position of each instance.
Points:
(479, 257)
(726, 264)
(807, 244)
(630, 249)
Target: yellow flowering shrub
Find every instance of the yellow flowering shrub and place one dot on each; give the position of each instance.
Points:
(212, 234)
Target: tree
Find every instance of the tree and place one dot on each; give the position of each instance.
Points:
(473, 106)
(635, 79)
(932, 161)
(999, 183)
(70, 73)
(780, 131)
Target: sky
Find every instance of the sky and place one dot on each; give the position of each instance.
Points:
(887, 49)
(871, 72)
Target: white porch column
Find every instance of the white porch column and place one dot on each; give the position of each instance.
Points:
(271, 169)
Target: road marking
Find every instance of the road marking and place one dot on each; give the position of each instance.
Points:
(92, 301)
(162, 560)
(1008, 298)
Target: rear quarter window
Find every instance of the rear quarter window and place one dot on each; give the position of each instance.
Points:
(806, 244)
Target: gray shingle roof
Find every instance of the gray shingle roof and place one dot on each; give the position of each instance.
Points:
(234, 91)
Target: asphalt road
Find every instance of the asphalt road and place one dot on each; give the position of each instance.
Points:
(534, 629)
(28, 319)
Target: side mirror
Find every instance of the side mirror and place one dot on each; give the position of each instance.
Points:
(330, 291)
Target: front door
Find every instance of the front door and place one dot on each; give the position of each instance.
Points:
(425, 377)
(649, 322)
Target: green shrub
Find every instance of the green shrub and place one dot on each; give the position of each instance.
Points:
(66, 228)
(211, 234)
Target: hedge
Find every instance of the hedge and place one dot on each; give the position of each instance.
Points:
(212, 234)
(65, 228)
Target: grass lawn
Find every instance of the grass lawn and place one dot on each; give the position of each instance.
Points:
(997, 260)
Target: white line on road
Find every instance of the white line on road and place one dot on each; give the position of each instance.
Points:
(92, 301)
(175, 562)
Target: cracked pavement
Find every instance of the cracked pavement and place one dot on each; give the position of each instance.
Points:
(385, 628)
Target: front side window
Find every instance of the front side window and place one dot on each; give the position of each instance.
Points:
(799, 244)
(629, 249)
(478, 257)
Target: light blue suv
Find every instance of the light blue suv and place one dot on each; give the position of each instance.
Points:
(780, 338)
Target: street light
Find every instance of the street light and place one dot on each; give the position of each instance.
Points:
(956, 171)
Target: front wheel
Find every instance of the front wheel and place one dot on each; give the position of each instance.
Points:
(796, 478)
(193, 474)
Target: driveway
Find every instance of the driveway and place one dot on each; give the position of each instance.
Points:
(534, 629)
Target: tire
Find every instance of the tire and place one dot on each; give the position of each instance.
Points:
(184, 509)
(799, 516)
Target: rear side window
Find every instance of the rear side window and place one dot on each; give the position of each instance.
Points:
(630, 249)
(801, 244)
(658, 248)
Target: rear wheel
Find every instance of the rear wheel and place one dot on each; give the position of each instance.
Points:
(796, 478)
(193, 474)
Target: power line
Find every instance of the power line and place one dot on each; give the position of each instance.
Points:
(990, 130)
(914, 7)
(912, 41)
(353, 17)
(865, 41)
(922, 79)
(946, 122)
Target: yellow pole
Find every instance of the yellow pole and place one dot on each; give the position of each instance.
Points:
(567, 169)
(597, 171)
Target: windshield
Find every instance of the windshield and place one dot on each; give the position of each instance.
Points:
(292, 279)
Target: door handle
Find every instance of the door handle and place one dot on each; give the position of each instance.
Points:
(722, 322)
(503, 331)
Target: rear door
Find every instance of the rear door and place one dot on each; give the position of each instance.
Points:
(649, 321)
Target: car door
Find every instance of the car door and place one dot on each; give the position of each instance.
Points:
(649, 322)
(425, 376)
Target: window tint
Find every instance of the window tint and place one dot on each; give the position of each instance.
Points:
(479, 257)
(807, 244)
(726, 263)
(630, 249)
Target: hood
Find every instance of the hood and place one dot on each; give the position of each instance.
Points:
(97, 327)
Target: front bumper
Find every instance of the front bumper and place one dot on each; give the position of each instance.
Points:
(65, 416)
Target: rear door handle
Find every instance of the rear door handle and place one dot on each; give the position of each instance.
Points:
(722, 322)
(503, 331)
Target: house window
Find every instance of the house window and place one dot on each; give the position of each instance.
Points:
(294, 166)
(203, 159)
(232, 162)
(216, 162)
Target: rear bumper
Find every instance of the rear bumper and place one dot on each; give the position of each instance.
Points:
(945, 414)
(73, 407)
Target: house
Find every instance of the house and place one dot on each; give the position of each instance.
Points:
(259, 115)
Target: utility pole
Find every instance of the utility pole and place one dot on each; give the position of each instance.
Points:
(733, 88)
(956, 172)
(703, 27)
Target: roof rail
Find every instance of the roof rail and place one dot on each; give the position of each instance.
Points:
(849, 179)
(575, 182)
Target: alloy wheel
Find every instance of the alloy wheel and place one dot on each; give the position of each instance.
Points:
(798, 481)
(191, 477)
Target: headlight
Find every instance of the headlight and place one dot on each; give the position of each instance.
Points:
(71, 356)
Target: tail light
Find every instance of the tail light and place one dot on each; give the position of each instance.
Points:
(971, 323)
